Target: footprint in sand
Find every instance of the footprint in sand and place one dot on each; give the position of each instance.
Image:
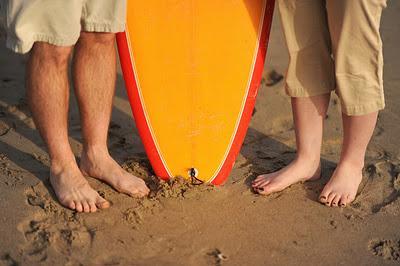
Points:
(52, 230)
(379, 191)
(69, 241)
(47, 238)
(11, 176)
(38, 240)
(37, 196)
(387, 249)
(133, 216)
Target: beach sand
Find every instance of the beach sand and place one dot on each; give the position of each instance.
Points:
(181, 224)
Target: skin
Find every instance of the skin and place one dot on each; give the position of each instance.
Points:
(309, 115)
(94, 71)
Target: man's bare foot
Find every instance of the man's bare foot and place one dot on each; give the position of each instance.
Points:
(296, 171)
(73, 190)
(100, 165)
(343, 185)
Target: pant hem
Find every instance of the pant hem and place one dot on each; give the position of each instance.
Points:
(301, 92)
(364, 109)
(103, 27)
(23, 47)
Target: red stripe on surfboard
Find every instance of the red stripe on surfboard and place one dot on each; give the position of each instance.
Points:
(137, 107)
(251, 98)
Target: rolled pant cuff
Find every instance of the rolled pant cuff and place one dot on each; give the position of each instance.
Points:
(23, 47)
(364, 109)
(103, 27)
(301, 92)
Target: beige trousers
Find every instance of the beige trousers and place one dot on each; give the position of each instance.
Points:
(58, 22)
(335, 45)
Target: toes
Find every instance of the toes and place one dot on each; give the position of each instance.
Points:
(71, 205)
(102, 203)
(68, 203)
(93, 207)
(335, 201)
(266, 189)
(86, 207)
(136, 193)
(323, 197)
(329, 199)
(256, 182)
(343, 201)
(262, 184)
(261, 180)
(347, 200)
(78, 206)
(145, 190)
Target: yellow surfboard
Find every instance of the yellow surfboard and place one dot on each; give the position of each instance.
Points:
(192, 70)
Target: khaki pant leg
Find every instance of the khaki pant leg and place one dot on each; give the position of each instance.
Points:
(53, 21)
(357, 49)
(311, 68)
(104, 15)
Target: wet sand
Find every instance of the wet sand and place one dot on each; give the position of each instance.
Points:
(180, 224)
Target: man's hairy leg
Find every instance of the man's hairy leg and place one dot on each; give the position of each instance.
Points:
(48, 96)
(94, 72)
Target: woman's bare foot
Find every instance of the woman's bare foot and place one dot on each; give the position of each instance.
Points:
(100, 165)
(73, 190)
(343, 185)
(297, 171)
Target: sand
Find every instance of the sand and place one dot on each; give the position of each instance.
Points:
(182, 224)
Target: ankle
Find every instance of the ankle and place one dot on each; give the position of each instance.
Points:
(348, 163)
(58, 166)
(308, 159)
(92, 152)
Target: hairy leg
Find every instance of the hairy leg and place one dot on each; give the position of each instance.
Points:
(48, 96)
(308, 114)
(343, 185)
(94, 72)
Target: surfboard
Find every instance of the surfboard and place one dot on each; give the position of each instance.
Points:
(192, 69)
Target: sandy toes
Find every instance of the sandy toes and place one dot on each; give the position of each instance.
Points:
(342, 187)
(297, 171)
(73, 190)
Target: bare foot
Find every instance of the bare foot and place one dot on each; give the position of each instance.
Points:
(100, 165)
(296, 171)
(73, 190)
(343, 185)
